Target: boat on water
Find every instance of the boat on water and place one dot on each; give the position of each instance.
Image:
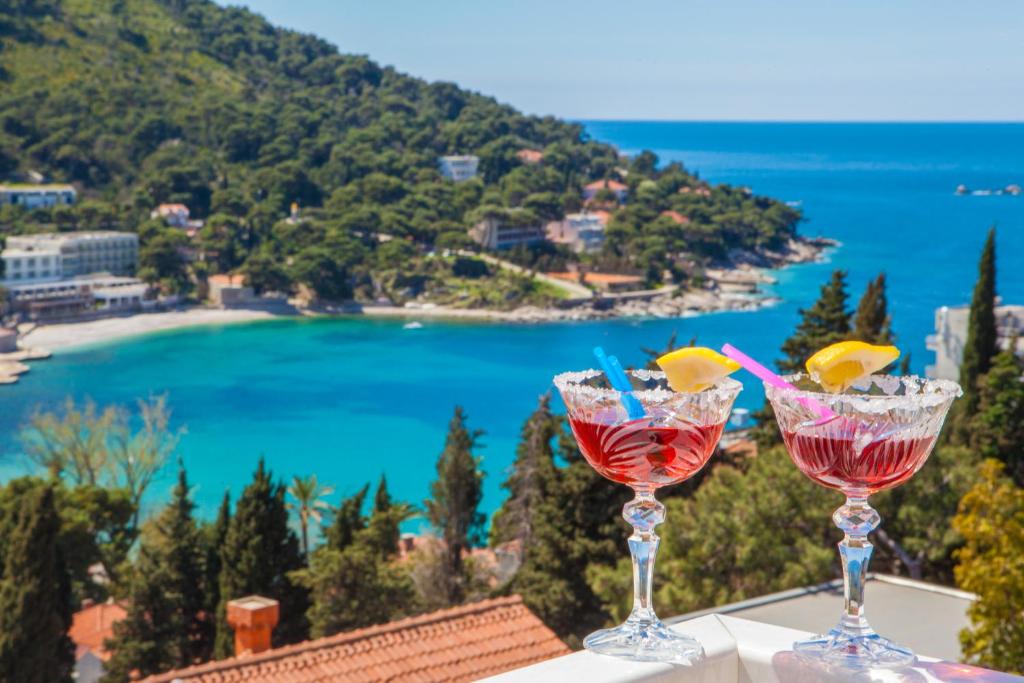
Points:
(1013, 189)
(414, 325)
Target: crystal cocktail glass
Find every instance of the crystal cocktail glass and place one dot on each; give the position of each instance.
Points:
(671, 442)
(881, 434)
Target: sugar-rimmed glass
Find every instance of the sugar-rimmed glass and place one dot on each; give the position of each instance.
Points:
(882, 433)
(669, 443)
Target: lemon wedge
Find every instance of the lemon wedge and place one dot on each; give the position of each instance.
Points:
(839, 366)
(695, 368)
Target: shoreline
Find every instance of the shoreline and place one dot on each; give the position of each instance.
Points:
(733, 290)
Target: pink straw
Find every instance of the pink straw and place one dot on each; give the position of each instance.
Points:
(769, 377)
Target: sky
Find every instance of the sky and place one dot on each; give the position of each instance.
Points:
(829, 60)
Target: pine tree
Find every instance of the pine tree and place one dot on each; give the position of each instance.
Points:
(258, 553)
(997, 429)
(35, 607)
(981, 344)
(455, 499)
(348, 520)
(529, 481)
(871, 322)
(166, 627)
(384, 526)
(578, 524)
(824, 323)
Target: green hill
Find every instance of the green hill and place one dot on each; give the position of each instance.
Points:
(141, 102)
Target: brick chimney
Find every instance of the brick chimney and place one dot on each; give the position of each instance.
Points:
(253, 618)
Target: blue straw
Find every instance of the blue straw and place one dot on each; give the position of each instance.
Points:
(617, 378)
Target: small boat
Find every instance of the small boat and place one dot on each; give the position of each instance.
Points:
(414, 325)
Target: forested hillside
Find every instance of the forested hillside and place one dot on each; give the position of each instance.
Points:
(141, 102)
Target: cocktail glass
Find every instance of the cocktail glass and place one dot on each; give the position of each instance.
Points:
(882, 433)
(671, 442)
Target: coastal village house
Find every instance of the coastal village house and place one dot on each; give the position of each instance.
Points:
(463, 643)
(530, 156)
(505, 232)
(90, 627)
(620, 190)
(229, 290)
(951, 335)
(175, 215)
(37, 196)
(458, 167)
(582, 232)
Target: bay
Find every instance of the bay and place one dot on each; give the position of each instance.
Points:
(354, 399)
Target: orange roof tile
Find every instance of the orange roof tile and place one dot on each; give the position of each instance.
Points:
(598, 278)
(602, 216)
(612, 185)
(92, 625)
(677, 217)
(460, 644)
(226, 280)
(530, 156)
(172, 208)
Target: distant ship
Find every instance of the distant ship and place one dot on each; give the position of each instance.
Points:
(414, 325)
(1013, 189)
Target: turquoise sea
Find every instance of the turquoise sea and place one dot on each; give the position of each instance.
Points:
(352, 399)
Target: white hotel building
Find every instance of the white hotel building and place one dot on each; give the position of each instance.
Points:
(458, 168)
(951, 335)
(69, 254)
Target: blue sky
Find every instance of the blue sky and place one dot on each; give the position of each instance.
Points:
(697, 59)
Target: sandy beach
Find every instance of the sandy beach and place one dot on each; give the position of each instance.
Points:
(63, 336)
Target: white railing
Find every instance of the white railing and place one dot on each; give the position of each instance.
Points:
(738, 651)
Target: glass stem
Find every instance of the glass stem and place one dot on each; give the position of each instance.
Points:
(856, 519)
(643, 513)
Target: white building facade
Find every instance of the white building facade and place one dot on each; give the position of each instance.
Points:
(582, 232)
(28, 266)
(38, 196)
(498, 233)
(80, 253)
(458, 168)
(951, 335)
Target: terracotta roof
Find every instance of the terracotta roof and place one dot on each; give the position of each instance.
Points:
(226, 280)
(460, 644)
(171, 208)
(598, 278)
(530, 156)
(92, 625)
(612, 185)
(602, 216)
(677, 217)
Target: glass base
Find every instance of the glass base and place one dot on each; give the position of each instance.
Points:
(854, 651)
(645, 641)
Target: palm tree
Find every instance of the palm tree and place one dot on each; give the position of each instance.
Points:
(308, 495)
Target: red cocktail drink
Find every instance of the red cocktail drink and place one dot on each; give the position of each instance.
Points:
(645, 438)
(644, 454)
(870, 439)
(857, 465)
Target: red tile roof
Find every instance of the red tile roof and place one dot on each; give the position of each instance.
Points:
(677, 217)
(613, 185)
(226, 280)
(460, 644)
(599, 278)
(530, 156)
(92, 625)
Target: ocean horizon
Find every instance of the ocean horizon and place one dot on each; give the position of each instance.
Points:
(352, 399)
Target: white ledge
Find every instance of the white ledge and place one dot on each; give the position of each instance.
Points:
(738, 651)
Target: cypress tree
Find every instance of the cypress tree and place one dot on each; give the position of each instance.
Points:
(258, 553)
(997, 429)
(455, 499)
(35, 600)
(165, 627)
(824, 323)
(348, 520)
(871, 322)
(981, 345)
(382, 499)
(530, 480)
(216, 534)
